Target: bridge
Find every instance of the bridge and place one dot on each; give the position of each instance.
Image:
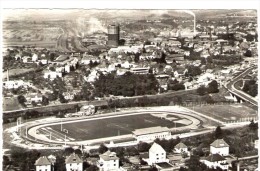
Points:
(241, 96)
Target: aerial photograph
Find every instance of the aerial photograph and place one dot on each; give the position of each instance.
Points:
(129, 89)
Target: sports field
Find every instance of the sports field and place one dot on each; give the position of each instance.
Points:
(87, 130)
(232, 112)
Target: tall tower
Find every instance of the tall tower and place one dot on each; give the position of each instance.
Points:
(113, 35)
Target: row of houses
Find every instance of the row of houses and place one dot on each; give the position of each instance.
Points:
(156, 156)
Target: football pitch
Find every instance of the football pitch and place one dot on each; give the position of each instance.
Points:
(233, 112)
(100, 128)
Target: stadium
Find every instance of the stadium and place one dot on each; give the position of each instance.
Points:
(117, 127)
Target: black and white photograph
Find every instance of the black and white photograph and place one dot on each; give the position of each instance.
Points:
(129, 89)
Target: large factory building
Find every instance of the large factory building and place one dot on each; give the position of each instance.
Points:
(113, 35)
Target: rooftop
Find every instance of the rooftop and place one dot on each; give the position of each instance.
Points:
(73, 158)
(42, 161)
(155, 148)
(180, 145)
(150, 130)
(219, 143)
(164, 165)
(214, 158)
(108, 156)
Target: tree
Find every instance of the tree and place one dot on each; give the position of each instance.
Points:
(21, 99)
(78, 152)
(102, 149)
(6, 161)
(194, 163)
(213, 87)
(218, 133)
(34, 103)
(202, 90)
(92, 168)
(194, 70)
(45, 101)
(68, 151)
(153, 168)
(62, 99)
(60, 163)
(143, 147)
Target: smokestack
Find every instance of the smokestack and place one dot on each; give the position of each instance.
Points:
(7, 75)
(194, 29)
(238, 166)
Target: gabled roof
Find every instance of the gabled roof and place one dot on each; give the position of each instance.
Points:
(156, 148)
(214, 158)
(219, 143)
(109, 156)
(180, 145)
(42, 161)
(73, 158)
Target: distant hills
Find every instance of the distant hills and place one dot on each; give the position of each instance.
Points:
(71, 14)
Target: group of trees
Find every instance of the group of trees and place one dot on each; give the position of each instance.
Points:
(211, 88)
(126, 85)
(251, 87)
(175, 85)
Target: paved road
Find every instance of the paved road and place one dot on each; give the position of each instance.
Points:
(230, 86)
(96, 102)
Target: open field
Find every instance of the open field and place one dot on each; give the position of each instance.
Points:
(233, 112)
(87, 130)
(11, 104)
(14, 72)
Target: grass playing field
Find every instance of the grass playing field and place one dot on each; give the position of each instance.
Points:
(87, 130)
(233, 112)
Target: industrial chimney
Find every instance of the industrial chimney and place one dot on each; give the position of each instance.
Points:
(194, 27)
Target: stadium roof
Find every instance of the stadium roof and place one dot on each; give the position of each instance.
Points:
(42, 161)
(150, 130)
(219, 143)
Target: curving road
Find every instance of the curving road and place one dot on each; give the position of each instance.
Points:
(230, 86)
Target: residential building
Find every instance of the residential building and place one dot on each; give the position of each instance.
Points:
(52, 75)
(74, 163)
(14, 84)
(35, 57)
(181, 148)
(219, 146)
(43, 164)
(108, 161)
(34, 97)
(150, 134)
(215, 160)
(140, 70)
(87, 109)
(157, 154)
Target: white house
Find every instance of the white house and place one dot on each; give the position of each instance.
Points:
(219, 146)
(157, 154)
(150, 134)
(108, 161)
(88, 109)
(214, 161)
(35, 57)
(34, 97)
(52, 75)
(43, 164)
(181, 148)
(74, 163)
(13, 84)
